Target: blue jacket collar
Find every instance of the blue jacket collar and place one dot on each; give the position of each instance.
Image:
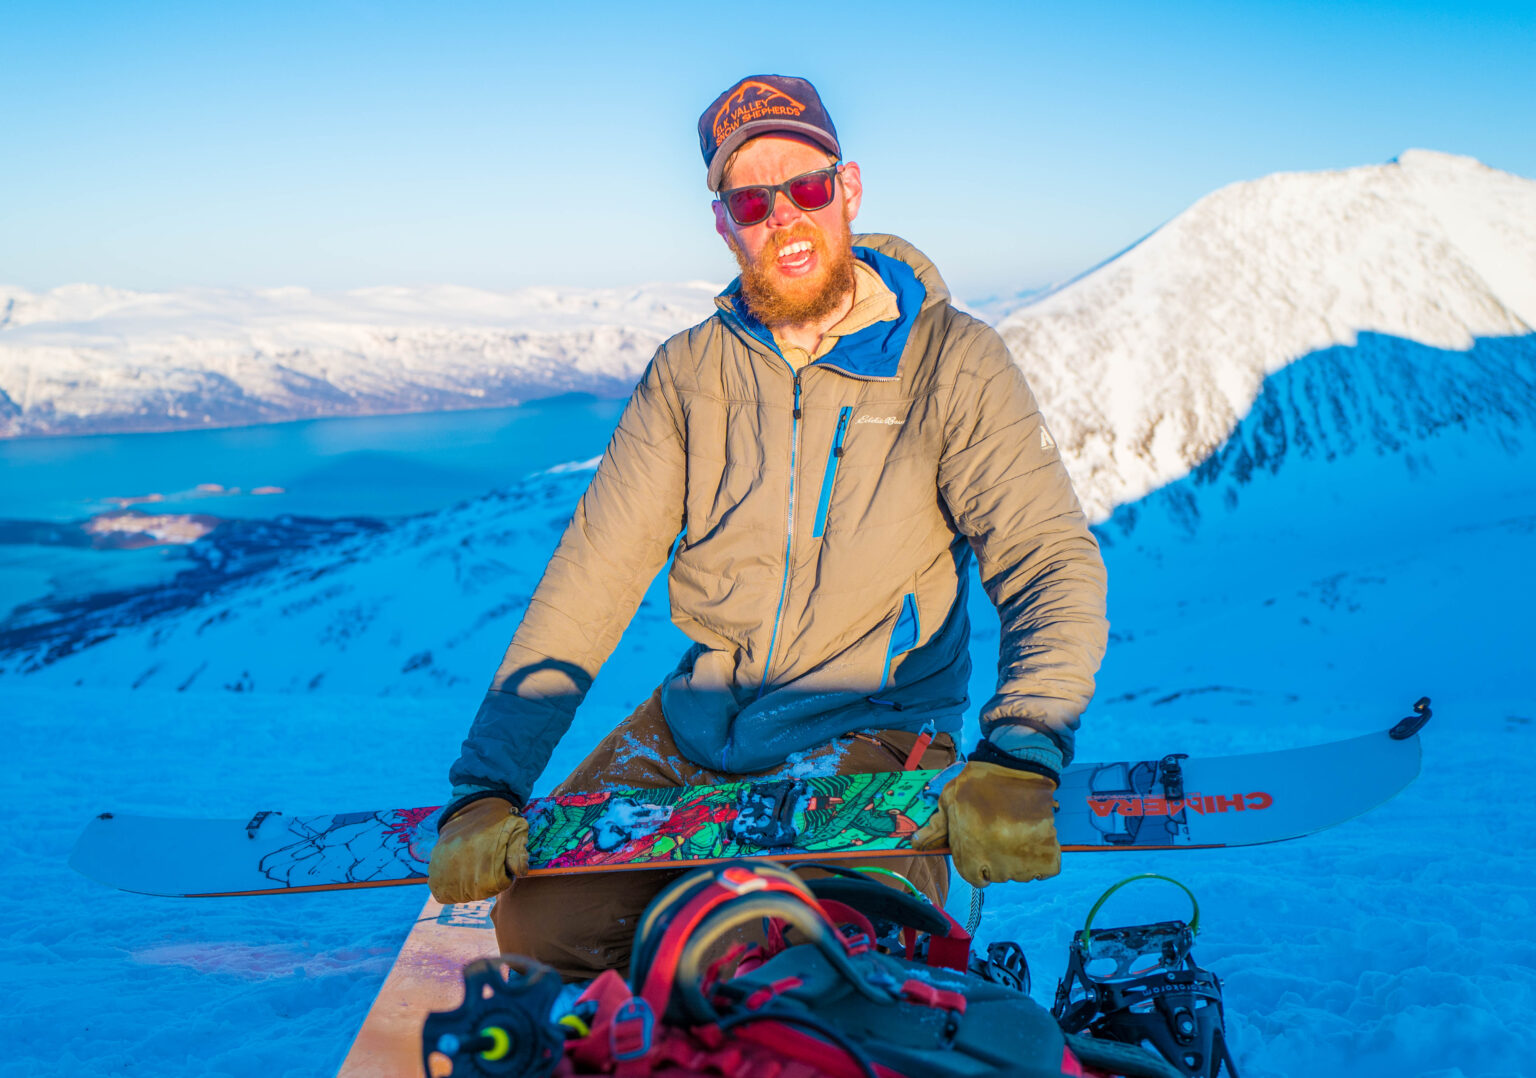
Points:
(873, 352)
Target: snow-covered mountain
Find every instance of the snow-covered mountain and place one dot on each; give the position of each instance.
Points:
(88, 359)
(1330, 380)
(1145, 365)
(1360, 332)
(297, 605)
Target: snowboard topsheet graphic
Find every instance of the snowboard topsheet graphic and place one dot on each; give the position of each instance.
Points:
(1171, 802)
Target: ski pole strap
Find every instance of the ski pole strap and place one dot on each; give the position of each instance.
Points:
(1194, 923)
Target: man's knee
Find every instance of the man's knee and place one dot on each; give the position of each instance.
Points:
(580, 925)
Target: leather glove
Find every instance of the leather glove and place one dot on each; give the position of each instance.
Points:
(480, 850)
(998, 823)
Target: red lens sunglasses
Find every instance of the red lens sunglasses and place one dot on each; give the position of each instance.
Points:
(810, 191)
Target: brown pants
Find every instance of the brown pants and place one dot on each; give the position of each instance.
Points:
(584, 924)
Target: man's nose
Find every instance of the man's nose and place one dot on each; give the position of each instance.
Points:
(783, 211)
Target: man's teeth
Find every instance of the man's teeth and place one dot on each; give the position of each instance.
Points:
(796, 248)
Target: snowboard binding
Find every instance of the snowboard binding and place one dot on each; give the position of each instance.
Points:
(503, 1027)
(1140, 985)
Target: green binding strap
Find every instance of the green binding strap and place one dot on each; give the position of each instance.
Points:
(870, 870)
(1194, 922)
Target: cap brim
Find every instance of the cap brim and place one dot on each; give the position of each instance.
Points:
(746, 132)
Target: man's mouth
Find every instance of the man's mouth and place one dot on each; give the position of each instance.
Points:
(795, 258)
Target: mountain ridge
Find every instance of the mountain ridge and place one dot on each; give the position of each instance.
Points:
(1430, 246)
(1425, 415)
(91, 359)
(1147, 363)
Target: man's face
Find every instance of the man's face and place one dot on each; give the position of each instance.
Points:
(797, 265)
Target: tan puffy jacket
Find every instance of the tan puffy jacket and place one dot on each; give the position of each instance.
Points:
(823, 524)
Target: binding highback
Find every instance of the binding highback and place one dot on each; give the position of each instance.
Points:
(702, 911)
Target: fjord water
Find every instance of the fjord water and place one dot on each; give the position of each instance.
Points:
(390, 465)
(374, 466)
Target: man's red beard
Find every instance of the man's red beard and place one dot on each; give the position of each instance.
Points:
(776, 300)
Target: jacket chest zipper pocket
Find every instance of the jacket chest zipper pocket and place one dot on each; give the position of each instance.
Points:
(829, 477)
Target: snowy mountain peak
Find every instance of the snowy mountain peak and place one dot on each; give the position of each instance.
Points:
(1146, 364)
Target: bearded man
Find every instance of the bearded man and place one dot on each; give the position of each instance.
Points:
(822, 458)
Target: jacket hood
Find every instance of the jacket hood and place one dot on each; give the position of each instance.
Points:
(920, 264)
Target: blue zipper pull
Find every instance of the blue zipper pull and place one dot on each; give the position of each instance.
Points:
(797, 394)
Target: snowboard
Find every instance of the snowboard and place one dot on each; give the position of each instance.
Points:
(1171, 802)
(427, 976)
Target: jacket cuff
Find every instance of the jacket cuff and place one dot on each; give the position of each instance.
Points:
(1038, 760)
(464, 796)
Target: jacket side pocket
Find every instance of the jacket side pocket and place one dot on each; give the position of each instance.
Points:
(904, 636)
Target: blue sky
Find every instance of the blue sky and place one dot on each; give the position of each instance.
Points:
(161, 145)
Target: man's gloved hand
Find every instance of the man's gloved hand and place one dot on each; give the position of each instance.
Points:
(998, 824)
(480, 850)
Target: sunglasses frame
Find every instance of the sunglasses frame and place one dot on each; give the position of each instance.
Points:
(776, 189)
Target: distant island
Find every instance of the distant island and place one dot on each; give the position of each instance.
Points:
(202, 490)
(133, 530)
(115, 530)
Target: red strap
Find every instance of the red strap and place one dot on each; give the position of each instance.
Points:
(751, 961)
(950, 952)
(729, 883)
(767, 992)
(842, 913)
(1071, 1066)
(629, 1037)
(609, 992)
(773, 929)
(939, 998)
(730, 960)
(920, 746)
(801, 1054)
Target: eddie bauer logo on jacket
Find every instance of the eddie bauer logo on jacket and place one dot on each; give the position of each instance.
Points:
(881, 420)
(753, 101)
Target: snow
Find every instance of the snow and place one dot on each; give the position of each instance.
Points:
(85, 358)
(1305, 415)
(1147, 363)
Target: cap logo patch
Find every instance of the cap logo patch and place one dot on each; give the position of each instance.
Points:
(752, 101)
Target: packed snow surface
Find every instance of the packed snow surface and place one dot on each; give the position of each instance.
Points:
(1350, 528)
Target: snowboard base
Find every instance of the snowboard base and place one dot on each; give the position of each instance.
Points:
(427, 976)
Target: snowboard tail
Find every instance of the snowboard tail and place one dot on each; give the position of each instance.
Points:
(427, 976)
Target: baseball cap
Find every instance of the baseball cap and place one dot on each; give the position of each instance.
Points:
(762, 105)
